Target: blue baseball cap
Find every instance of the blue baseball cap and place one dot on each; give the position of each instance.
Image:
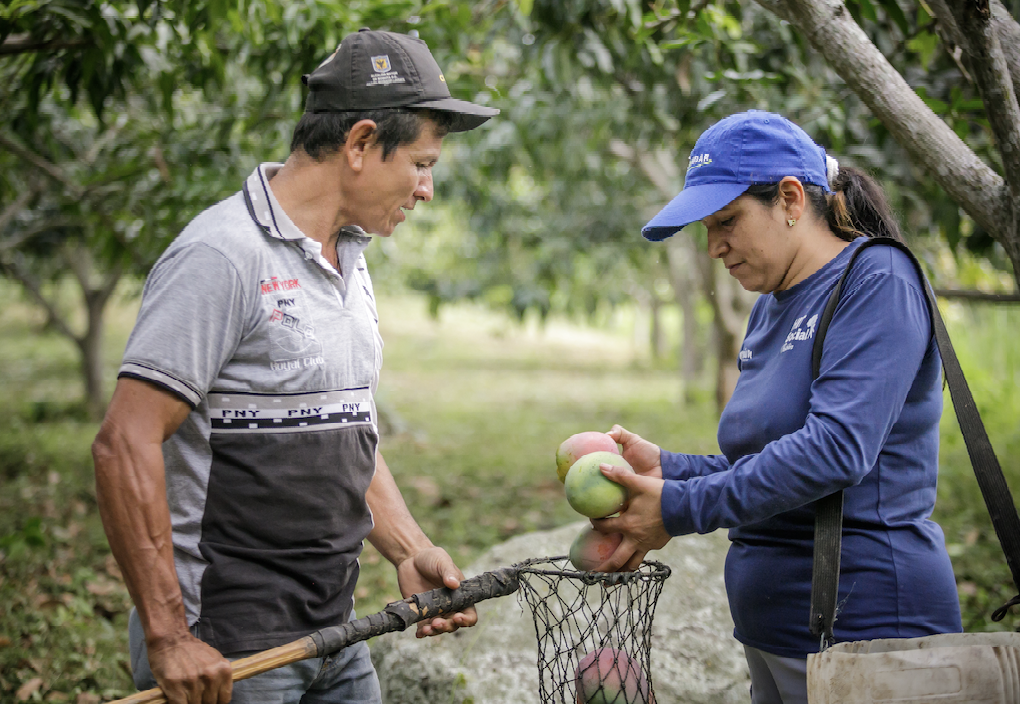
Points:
(740, 150)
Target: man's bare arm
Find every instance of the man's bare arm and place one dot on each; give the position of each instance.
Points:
(420, 565)
(131, 492)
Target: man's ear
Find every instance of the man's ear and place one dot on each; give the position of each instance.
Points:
(792, 197)
(359, 140)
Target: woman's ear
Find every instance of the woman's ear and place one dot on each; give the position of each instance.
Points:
(359, 140)
(792, 198)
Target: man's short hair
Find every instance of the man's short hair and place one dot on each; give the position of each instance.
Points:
(321, 134)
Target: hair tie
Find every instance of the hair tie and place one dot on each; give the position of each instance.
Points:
(831, 170)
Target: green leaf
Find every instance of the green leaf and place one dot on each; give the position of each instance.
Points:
(524, 6)
(937, 106)
(865, 9)
(896, 14)
(688, 40)
(925, 45)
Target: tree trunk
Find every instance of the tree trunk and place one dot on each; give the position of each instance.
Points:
(91, 347)
(684, 279)
(727, 349)
(95, 296)
(731, 305)
(656, 334)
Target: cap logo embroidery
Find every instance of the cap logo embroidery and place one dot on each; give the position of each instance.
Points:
(384, 74)
(697, 160)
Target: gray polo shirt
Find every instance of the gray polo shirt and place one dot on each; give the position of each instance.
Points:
(278, 355)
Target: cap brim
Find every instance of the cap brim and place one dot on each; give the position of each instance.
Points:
(691, 204)
(466, 116)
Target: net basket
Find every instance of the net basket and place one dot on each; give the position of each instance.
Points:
(594, 630)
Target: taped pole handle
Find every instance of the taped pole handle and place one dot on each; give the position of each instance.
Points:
(395, 617)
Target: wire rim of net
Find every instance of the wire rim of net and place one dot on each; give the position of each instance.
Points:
(649, 570)
(594, 630)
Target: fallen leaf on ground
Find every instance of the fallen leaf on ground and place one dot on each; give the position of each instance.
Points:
(102, 587)
(28, 689)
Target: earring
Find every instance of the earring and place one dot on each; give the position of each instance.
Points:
(791, 222)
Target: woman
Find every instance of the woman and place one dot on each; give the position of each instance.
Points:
(784, 220)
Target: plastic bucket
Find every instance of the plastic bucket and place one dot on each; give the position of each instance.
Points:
(952, 668)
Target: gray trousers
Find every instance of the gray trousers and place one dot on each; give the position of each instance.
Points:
(775, 679)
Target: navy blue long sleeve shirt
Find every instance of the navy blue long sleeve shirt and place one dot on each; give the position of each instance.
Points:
(868, 424)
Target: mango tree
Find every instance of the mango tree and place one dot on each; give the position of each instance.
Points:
(126, 118)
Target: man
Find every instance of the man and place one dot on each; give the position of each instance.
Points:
(237, 468)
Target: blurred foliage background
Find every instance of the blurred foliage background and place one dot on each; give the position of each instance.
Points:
(521, 306)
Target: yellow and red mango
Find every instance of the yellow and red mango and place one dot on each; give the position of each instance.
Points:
(591, 548)
(577, 446)
(589, 492)
(610, 676)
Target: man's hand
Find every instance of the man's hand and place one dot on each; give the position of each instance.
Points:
(642, 455)
(190, 671)
(640, 522)
(430, 569)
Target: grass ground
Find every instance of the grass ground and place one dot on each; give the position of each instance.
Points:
(478, 406)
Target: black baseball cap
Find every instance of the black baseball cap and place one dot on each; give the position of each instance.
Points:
(374, 69)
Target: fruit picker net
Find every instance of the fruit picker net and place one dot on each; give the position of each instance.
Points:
(594, 630)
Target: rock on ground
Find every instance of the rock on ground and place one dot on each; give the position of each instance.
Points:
(695, 659)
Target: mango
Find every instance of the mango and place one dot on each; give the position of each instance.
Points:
(610, 676)
(589, 492)
(591, 548)
(578, 445)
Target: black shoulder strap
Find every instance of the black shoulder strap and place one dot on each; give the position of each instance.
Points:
(996, 493)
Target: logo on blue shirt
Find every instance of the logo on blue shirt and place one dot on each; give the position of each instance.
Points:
(799, 335)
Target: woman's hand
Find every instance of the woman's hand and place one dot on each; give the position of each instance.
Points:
(640, 522)
(642, 455)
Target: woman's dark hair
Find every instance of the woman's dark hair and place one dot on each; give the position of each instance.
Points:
(857, 206)
(320, 134)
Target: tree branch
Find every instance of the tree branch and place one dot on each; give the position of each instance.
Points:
(974, 295)
(929, 141)
(19, 204)
(949, 33)
(1008, 32)
(14, 269)
(109, 284)
(12, 243)
(661, 175)
(81, 267)
(991, 74)
(1004, 27)
(675, 14)
(44, 165)
(26, 44)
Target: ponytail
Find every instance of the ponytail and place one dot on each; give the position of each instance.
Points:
(858, 207)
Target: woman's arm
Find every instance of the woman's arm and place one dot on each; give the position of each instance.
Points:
(873, 349)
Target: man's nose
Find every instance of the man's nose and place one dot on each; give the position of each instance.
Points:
(424, 191)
